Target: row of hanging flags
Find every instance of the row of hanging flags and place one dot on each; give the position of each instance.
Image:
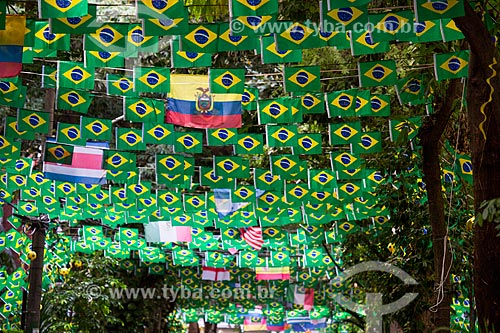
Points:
(90, 168)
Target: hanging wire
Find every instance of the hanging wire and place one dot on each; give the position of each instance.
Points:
(445, 277)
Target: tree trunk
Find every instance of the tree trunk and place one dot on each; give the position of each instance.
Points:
(210, 327)
(430, 137)
(486, 162)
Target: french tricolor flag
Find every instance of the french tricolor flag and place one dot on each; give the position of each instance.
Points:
(86, 167)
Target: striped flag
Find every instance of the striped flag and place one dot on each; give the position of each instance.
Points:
(253, 236)
(272, 273)
(302, 296)
(86, 167)
(164, 232)
(11, 45)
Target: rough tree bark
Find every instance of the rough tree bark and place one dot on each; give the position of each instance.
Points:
(210, 327)
(194, 328)
(486, 163)
(430, 137)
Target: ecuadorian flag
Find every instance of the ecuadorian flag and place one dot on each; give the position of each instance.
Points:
(190, 104)
(11, 45)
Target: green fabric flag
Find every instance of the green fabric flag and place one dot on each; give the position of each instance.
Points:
(250, 143)
(345, 161)
(73, 99)
(362, 104)
(308, 144)
(321, 179)
(111, 37)
(451, 65)
(427, 31)
(228, 42)
(168, 26)
(252, 25)
(170, 164)
(302, 79)
(283, 110)
(188, 142)
(208, 178)
(297, 36)
(96, 129)
(312, 103)
(296, 193)
(74, 75)
(265, 180)
(350, 190)
(396, 25)
(377, 73)
(226, 81)
(183, 59)
(284, 165)
(363, 42)
(380, 106)
(58, 153)
(144, 110)
(340, 40)
(200, 38)
(281, 135)
(450, 31)
(346, 16)
(407, 127)
(33, 121)
(75, 25)
(44, 39)
(344, 133)
(270, 54)
(137, 41)
(160, 9)
(152, 79)
(341, 103)
(252, 8)
(119, 85)
(229, 167)
(129, 139)
(463, 165)
(12, 130)
(49, 76)
(95, 59)
(222, 136)
(411, 90)
(69, 134)
(249, 99)
(54, 8)
(435, 9)
(370, 142)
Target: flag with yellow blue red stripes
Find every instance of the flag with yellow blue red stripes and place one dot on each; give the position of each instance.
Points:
(129, 139)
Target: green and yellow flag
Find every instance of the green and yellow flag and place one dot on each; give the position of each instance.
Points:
(451, 65)
(377, 73)
(55, 8)
(302, 79)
